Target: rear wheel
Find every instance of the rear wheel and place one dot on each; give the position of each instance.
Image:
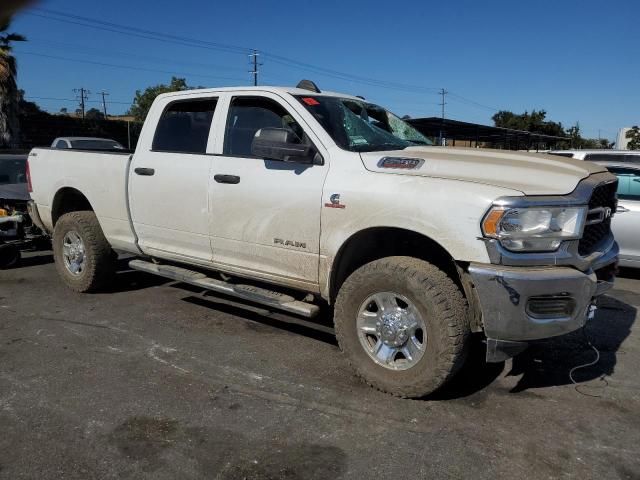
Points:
(402, 324)
(84, 258)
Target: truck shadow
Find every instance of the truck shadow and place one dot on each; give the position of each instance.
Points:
(128, 280)
(549, 363)
(319, 328)
(39, 258)
(544, 364)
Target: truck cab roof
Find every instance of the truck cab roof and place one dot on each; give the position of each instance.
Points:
(270, 89)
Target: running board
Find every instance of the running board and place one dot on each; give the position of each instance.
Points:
(246, 292)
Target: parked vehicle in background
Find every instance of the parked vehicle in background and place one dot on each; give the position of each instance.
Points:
(626, 221)
(333, 200)
(86, 143)
(620, 156)
(16, 229)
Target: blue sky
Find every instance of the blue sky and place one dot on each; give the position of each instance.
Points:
(578, 60)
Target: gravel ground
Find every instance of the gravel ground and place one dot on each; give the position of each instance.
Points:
(155, 380)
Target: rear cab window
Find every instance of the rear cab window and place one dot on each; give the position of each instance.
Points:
(184, 126)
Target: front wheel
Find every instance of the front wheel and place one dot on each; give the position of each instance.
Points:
(84, 259)
(402, 324)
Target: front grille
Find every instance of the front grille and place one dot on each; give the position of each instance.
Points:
(602, 196)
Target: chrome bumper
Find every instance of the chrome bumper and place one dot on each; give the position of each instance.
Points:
(505, 292)
(505, 295)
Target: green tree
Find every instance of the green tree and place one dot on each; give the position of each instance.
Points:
(143, 99)
(9, 94)
(634, 138)
(530, 122)
(94, 114)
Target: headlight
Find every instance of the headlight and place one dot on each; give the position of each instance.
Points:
(534, 229)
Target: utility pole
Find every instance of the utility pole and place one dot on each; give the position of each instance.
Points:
(104, 103)
(443, 92)
(82, 94)
(255, 65)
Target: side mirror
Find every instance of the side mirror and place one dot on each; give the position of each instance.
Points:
(280, 144)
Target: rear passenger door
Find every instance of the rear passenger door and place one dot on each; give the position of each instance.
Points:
(169, 188)
(265, 213)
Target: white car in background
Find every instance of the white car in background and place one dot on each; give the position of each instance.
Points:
(602, 155)
(86, 143)
(626, 221)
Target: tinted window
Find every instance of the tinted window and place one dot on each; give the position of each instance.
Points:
(247, 115)
(184, 126)
(562, 154)
(61, 144)
(628, 183)
(612, 157)
(96, 144)
(13, 171)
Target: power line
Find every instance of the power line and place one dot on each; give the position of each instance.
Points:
(30, 97)
(149, 34)
(348, 77)
(132, 31)
(75, 48)
(278, 59)
(129, 67)
(472, 102)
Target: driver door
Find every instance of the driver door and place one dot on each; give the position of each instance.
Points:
(265, 213)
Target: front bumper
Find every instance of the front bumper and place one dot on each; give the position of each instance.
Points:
(507, 295)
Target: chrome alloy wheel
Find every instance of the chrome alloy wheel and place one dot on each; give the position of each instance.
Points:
(73, 252)
(391, 330)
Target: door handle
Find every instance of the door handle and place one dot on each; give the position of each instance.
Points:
(144, 171)
(232, 179)
(621, 209)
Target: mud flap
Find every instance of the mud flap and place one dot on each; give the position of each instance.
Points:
(501, 350)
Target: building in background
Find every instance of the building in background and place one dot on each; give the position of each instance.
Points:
(622, 141)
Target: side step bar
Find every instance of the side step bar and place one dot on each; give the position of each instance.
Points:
(263, 296)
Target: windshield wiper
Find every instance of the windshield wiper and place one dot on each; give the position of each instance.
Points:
(380, 147)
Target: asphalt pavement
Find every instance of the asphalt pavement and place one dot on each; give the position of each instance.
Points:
(156, 380)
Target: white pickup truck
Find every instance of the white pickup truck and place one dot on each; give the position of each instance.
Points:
(296, 198)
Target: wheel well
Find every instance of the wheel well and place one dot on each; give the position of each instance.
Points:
(68, 200)
(375, 243)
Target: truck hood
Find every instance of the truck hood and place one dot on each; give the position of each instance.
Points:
(529, 173)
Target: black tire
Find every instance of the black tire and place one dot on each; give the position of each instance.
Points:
(9, 256)
(99, 258)
(439, 301)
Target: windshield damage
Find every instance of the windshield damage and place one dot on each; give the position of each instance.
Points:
(360, 126)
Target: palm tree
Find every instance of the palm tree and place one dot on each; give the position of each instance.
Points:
(9, 128)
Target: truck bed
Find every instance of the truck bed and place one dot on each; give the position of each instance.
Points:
(101, 177)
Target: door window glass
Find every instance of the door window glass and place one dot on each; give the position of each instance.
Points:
(247, 115)
(184, 126)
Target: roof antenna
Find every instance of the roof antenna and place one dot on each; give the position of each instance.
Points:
(308, 85)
